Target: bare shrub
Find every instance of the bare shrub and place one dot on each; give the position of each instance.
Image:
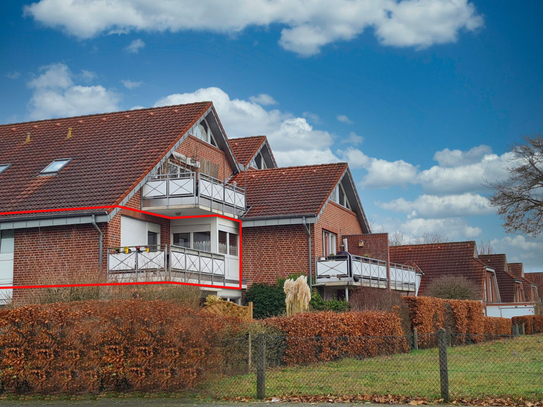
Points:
(453, 288)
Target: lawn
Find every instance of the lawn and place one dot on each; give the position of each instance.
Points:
(510, 367)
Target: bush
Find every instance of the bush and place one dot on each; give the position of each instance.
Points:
(497, 327)
(93, 346)
(268, 300)
(318, 304)
(453, 288)
(326, 336)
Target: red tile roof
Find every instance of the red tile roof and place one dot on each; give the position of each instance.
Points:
(442, 259)
(111, 153)
(506, 281)
(245, 148)
(517, 270)
(289, 191)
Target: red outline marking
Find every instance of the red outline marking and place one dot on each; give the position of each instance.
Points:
(131, 283)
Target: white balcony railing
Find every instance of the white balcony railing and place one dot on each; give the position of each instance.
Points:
(168, 262)
(365, 271)
(192, 189)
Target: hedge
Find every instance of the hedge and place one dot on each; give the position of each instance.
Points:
(326, 336)
(533, 324)
(462, 318)
(94, 346)
(497, 327)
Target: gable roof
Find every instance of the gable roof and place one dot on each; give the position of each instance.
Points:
(442, 259)
(110, 154)
(537, 279)
(517, 270)
(245, 148)
(506, 281)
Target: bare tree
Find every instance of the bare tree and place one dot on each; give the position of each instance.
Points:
(431, 238)
(485, 247)
(453, 288)
(396, 239)
(519, 199)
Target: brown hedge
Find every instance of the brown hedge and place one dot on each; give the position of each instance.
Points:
(117, 345)
(325, 336)
(497, 327)
(533, 324)
(463, 319)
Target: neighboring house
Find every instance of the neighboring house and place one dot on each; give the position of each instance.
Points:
(530, 288)
(450, 259)
(537, 279)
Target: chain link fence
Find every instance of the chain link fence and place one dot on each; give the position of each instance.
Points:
(459, 366)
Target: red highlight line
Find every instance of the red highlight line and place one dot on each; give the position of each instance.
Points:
(86, 208)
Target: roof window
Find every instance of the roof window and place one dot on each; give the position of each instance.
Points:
(4, 167)
(56, 166)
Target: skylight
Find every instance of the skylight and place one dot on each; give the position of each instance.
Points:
(4, 167)
(56, 166)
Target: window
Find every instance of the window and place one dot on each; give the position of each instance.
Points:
(181, 240)
(328, 243)
(55, 166)
(4, 167)
(152, 239)
(203, 132)
(223, 242)
(7, 239)
(202, 241)
(233, 248)
(175, 171)
(339, 196)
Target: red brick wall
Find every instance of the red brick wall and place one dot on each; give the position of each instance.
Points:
(197, 149)
(372, 245)
(271, 252)
(53, 255)
(336, 219)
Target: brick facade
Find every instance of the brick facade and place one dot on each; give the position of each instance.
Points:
(199, 150)
(374, 246)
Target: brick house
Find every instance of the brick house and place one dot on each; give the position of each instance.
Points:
(133, 182)
(537, 279)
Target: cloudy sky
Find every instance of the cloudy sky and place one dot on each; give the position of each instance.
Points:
(423, 98)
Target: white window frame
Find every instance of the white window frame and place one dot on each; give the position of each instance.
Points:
(65, 162)
(329, 243)
(4, 167)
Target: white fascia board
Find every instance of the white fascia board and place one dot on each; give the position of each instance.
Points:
(48, 222)
(276, 222)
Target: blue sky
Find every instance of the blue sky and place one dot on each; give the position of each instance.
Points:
(423, 98)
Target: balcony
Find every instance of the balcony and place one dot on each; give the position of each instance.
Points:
(350, 270)
(169, 263)
(170, 192)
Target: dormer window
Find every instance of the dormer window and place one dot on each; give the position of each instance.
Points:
(55, 166)
(4, 167)
(203, 132)
(259, 162)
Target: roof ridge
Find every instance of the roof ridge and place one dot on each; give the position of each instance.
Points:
(433, 244)
(105, 113)
(300, 166)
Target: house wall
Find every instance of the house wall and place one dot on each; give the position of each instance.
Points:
(199, 150)
(336, 219)
(53, 255)
(374, 245)
(272, 252)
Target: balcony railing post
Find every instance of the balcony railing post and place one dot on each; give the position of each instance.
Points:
(199, 267)
(212, 268)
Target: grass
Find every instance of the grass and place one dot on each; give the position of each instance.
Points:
(503, 368)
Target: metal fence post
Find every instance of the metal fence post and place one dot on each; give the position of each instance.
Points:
(261, 367)
(443, 368)
(415, 339)
(514, 331)
(523, 329)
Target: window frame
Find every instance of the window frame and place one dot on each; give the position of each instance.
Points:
(66, 162)
(329, 243)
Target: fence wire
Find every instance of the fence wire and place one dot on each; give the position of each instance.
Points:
(477, 366)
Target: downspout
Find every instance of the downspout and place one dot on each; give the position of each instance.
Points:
(308, 230)
(101, 241)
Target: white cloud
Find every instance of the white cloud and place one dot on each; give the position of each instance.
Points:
(87, 76)
(13, 75)
(130, 84)
(518, 242)
(56, 95)
(305, 157)
(455, 158)
(451, 228)
(353, 139)
(344, 119)
(430, 206)
(287, 134)
(313, 117)
(307, 26)
(135, 46)
(263, 100)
